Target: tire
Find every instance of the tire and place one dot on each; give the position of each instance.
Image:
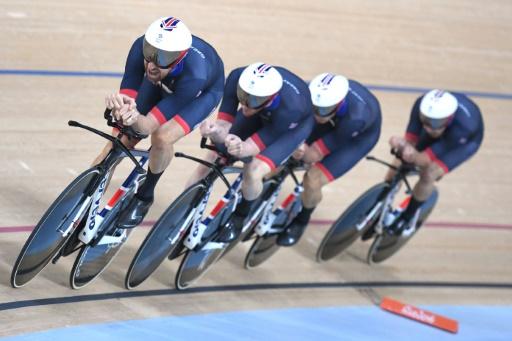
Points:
(385, 245)
(344, 231)
(45, 241)
(164, 238)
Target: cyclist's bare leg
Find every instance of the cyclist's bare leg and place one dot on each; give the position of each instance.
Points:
(314, 180)
(428, 176)
(162, 145)
(252, 184)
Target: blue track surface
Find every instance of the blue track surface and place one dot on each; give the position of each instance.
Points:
(387, 88)
(334, 323)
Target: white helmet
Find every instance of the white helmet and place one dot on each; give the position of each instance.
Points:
(327, 92)
(437, 108)
(258, 84)
(166, 42)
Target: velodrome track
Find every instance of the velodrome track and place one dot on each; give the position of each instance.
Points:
(57, 62)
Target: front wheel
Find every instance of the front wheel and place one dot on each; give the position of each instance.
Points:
(345, 229)
(47, 238)
(165, 236)
(386, 245)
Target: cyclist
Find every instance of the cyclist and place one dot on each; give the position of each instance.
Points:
(445, 129)
(264, 116)
(348, 123)
(172, 81)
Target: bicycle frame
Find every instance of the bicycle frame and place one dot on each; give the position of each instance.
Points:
(98, 186)
(95, 219)
(200, 225)
(385, 205)
(269, 216)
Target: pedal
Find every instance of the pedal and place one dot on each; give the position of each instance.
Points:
(411, 227)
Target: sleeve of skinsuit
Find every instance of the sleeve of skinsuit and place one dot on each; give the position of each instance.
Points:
(414, 127)
(186, 91)
(229, 106)
(282, 122)
(133, 70)
(344, 132)
(448, 153)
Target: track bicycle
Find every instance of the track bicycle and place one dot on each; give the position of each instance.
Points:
(372, 214)
(77, 222)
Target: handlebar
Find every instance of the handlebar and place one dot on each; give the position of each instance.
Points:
(123, 130)
(401, 172)
(116, 141)
(217, 166)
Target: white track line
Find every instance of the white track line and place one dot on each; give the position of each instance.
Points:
(71, 171)
(25, 166)
(17, 15)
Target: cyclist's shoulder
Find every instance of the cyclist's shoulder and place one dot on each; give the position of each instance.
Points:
(468, 116)
(360, 93)
(203, 51)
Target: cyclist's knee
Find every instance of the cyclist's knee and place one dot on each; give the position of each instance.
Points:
(164, 138)
(313, 180)
(256, 170)
(167, 135)
(431, 173)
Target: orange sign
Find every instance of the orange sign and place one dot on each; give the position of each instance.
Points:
(419, 315)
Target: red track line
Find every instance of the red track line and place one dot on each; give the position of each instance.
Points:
(324, 222)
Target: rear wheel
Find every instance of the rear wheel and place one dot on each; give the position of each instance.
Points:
(386, 245)
(261, 250)
(345, 229)
(165, 236)
(47, 238)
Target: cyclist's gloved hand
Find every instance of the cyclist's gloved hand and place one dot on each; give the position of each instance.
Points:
(234, 145)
